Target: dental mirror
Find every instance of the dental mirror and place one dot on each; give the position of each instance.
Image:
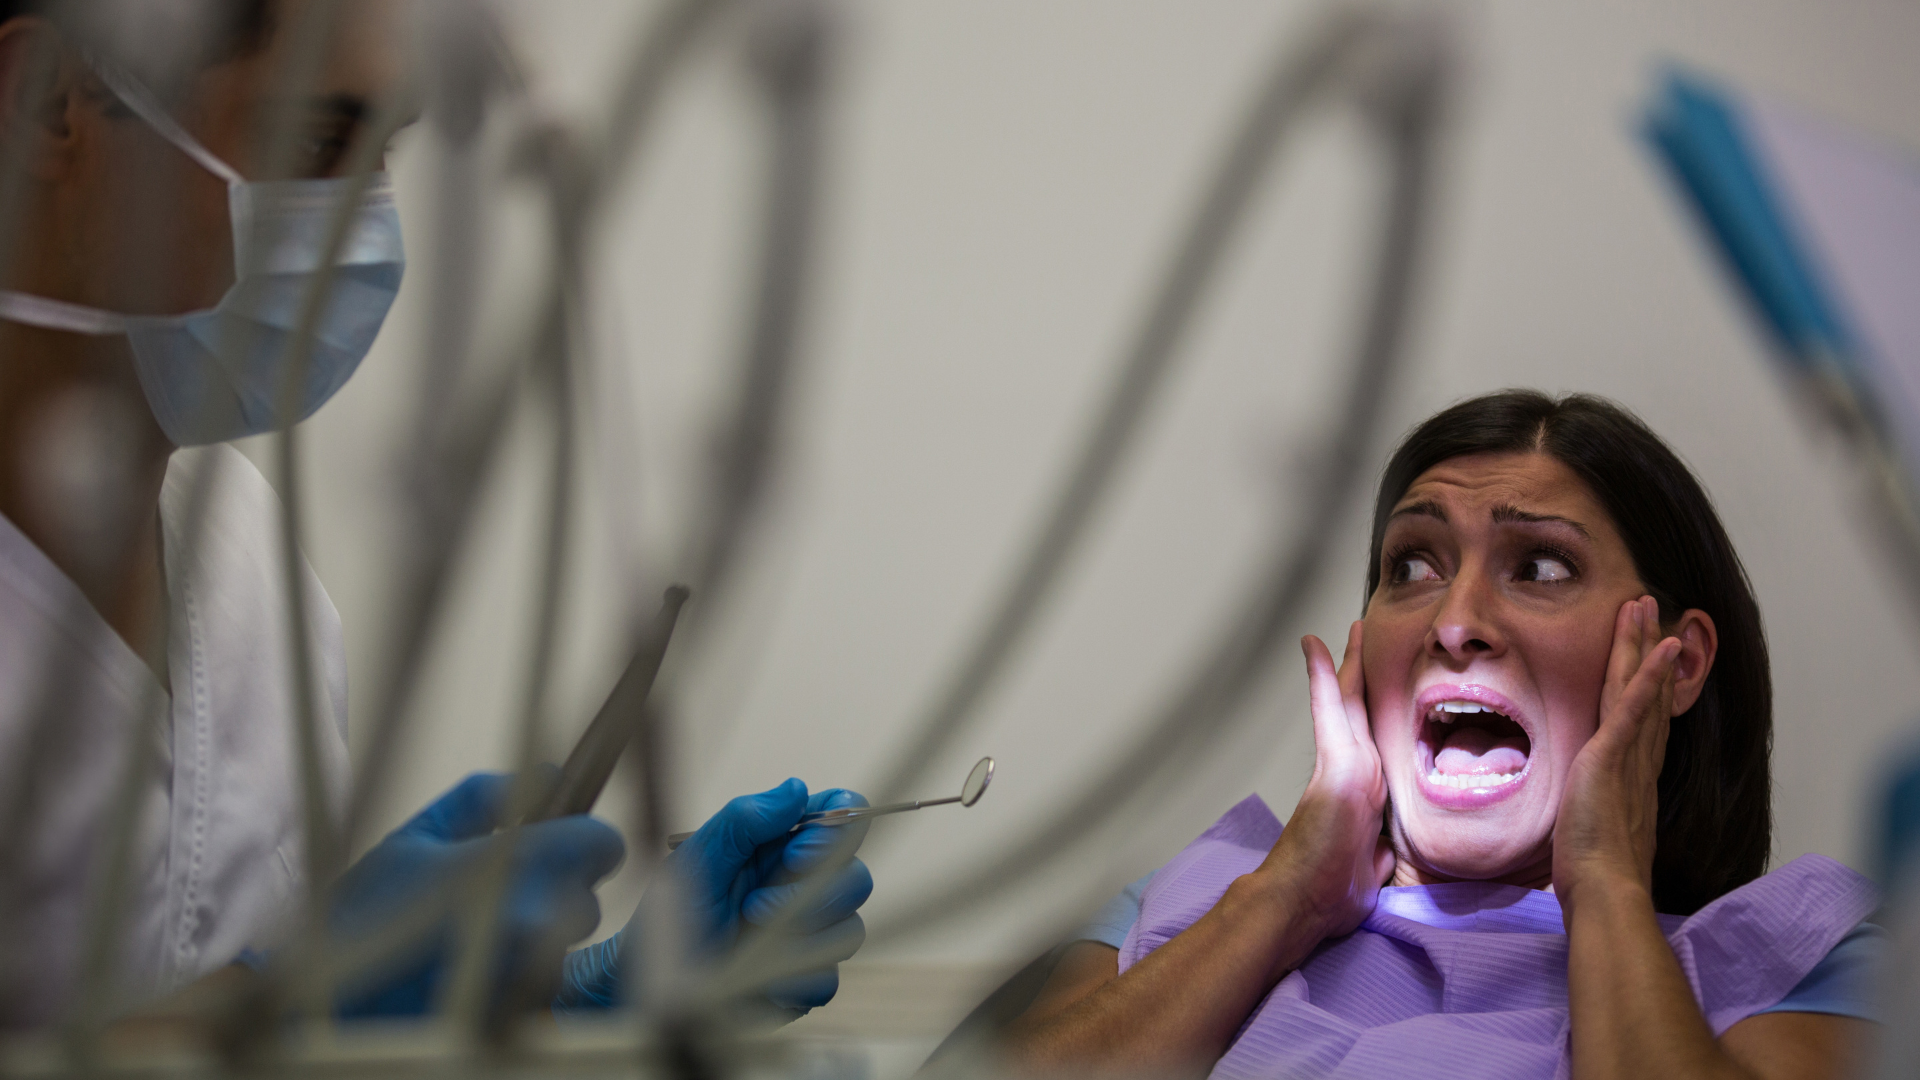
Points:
(970, 793)
(977, 782)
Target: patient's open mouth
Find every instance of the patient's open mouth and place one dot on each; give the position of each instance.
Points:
(1471, 745)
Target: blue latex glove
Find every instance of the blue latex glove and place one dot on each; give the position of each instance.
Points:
(549, 900)
(741, 868)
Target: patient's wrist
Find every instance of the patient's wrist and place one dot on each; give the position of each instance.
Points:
(1602, 892)
(1273, 917)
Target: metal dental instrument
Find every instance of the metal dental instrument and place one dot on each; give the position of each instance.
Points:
(591, 763)
(970, 793)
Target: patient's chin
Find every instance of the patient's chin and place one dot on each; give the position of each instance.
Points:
(1457, 850)
(1476, 868)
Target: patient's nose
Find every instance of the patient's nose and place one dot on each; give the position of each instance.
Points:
(1463, 628)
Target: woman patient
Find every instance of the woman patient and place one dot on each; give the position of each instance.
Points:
(1534, 837)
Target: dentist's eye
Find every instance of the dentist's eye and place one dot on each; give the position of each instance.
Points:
(1546, 568)
(322, 156)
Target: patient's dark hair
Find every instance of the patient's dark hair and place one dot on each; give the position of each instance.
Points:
(1716, 814)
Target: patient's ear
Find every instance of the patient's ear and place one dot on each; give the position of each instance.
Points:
(1699, 641)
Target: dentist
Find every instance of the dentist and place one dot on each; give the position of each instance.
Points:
(146, 303)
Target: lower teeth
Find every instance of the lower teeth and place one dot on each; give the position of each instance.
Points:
(1482, 781)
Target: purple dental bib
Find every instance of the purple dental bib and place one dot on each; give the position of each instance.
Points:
(1478, 971)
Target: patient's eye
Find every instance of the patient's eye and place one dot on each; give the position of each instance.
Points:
(1413, 568)
(1546, 568)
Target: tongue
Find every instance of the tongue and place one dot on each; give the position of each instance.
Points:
(1472, 751)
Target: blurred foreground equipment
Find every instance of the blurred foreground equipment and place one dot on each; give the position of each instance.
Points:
(1392, 66)
(1821, 228)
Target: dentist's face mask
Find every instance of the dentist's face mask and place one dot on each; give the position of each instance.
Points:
(223, 373)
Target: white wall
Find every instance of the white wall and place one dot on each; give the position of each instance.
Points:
(1006, 176)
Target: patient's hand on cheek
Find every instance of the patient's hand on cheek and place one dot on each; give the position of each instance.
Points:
(1331, 860)
(1610, 810)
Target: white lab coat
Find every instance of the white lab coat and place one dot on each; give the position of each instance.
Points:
(218, 863)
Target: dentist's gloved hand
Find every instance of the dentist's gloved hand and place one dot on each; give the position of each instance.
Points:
(549, 901)
(743, 868)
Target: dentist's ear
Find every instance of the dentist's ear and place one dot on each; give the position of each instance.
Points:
(39, 80)
(1699, 641)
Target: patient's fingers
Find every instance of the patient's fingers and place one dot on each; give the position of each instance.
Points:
(1624, 696)
(1649, 691)
(1659, 721)
(1353, 689)
(1624, 659)
(1331, 729)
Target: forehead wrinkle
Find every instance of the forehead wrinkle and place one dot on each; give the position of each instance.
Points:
(1424, 508)
(1508, 514)
(1499, 486)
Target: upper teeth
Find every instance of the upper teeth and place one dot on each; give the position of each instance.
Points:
(1446, 707)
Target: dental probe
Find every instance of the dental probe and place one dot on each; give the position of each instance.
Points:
(970, 793)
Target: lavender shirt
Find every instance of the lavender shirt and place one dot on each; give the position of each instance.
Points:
(1480, 968)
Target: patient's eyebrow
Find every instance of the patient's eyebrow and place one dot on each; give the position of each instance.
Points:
(1506, 515)
(1423, 508)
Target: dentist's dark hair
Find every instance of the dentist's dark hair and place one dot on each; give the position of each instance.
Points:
(1716, 800)
(237, 29)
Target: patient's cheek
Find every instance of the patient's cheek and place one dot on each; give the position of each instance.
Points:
(1386, 736)
(1573, 711)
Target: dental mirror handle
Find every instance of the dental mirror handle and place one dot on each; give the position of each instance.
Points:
(846, 815)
